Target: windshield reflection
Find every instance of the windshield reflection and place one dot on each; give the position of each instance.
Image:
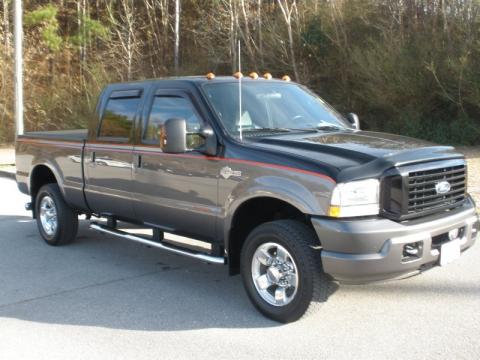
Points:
(271, 108)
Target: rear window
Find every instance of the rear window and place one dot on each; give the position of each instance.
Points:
(118, 117)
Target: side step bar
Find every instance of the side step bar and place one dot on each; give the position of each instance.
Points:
(159, 245)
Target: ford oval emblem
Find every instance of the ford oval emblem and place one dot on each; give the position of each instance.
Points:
(442, 187)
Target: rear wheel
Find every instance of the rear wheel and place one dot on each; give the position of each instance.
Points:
(56, 221)
(281, 270)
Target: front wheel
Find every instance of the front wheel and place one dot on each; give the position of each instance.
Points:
(281, 270)
(56, 221)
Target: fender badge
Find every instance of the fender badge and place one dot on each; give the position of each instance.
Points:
(227, 172)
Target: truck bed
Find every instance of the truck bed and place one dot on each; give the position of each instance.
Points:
(61, 151)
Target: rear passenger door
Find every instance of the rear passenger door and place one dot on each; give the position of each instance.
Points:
(109, 156)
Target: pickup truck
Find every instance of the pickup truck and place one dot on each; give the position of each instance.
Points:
(279, 186)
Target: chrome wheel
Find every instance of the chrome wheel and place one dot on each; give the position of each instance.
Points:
(274, 274)
(48, 215)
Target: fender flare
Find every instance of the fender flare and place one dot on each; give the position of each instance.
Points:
(54, 171)
(275, 187)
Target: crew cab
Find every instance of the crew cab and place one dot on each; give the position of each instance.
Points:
(281, 187)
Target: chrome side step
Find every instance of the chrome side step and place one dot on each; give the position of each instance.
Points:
(159, 245)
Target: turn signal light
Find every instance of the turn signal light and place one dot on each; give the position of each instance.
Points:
(210, 76)
(267, 76)
(334, 211)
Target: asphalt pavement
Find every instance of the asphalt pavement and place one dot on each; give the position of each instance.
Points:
(106, 298)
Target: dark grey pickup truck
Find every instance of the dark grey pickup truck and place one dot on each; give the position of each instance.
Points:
(277, 184)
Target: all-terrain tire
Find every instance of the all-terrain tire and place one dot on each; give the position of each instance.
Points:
(303, 247)
(65, 218)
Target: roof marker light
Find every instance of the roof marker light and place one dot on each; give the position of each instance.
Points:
(267, 76)
(210, 76)
(238, 75)
(286, 78)
(253, 75)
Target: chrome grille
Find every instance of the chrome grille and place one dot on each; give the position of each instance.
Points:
(410, 192)
(422, 193)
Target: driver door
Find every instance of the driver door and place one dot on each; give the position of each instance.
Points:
(175, 192)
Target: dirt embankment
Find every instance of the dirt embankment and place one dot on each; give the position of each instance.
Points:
(473, 157)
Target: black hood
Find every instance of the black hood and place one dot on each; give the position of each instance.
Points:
(356, 153)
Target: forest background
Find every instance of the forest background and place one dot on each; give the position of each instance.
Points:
(410, 67)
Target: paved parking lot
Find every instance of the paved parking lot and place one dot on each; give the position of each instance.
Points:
(104, 298)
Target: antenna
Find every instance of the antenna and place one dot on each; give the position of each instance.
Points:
(240, 89)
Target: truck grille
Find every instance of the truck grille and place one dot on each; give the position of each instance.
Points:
(422, 192)
(414, 191)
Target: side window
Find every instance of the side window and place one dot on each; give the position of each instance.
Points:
(118, 117)
(167, 107)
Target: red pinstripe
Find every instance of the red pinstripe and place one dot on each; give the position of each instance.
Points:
(98, 146)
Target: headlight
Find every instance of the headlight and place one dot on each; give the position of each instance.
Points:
(356, 198)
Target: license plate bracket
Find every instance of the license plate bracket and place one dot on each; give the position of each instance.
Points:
(449, 252)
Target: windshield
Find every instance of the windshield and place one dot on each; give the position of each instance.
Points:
(271, 107)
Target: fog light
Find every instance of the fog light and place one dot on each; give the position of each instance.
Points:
(453, 234)
(412, 251)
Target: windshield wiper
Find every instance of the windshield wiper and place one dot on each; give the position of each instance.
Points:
(329, 127)
(289, 130)
(267, 130)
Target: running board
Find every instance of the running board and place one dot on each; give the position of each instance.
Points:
(158, 245)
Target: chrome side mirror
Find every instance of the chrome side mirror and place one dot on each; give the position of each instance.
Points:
(354, 120)
(211, 143)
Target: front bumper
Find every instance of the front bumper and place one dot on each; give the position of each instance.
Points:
(360, 251)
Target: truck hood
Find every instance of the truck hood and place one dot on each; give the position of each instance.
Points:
(356, 154)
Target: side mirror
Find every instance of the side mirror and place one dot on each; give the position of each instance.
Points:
(173, 138)
(353, 119)
(211, 144)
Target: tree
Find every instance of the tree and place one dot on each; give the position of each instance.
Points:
(287, 8)
(413, 62)
(177, 36)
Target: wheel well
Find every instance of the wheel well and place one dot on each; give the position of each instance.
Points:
(41, 175)
(251, 214)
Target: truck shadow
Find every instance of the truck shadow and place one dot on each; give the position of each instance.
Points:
(106, 282)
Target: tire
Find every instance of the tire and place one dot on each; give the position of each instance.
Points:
(57, 223)
(302, 258)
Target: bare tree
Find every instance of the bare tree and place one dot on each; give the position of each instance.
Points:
(124, 27)
(154, 41)
(164, 8)
(260, 32)
(287, 8)
(233, 27)
(6, 27)
(177, 36)
(246, 37)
